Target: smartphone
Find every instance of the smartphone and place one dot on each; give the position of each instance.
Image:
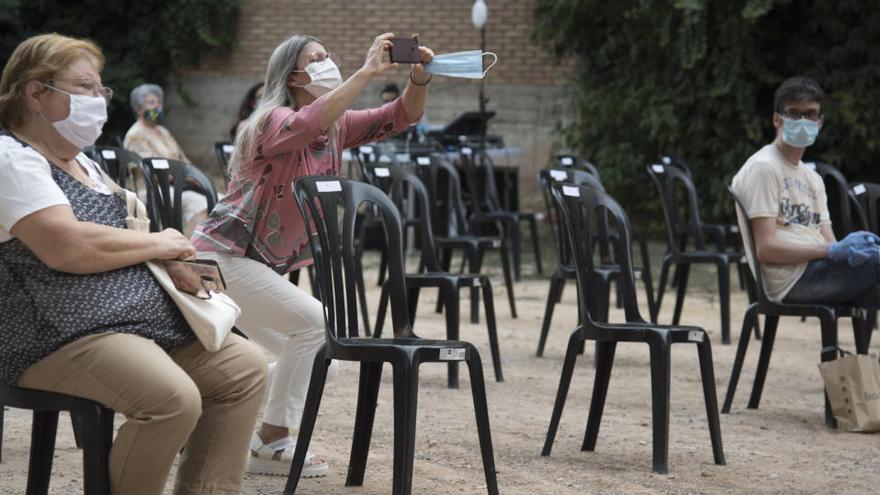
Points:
(196, 277)
(405, 51)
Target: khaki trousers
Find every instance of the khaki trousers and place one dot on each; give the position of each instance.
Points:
(203, 400)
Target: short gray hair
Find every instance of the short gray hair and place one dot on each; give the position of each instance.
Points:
(136, 98)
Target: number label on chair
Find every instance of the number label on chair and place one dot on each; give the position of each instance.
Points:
(566, 161)
(477, 282)
(466, 151)
(558, 175)
(666, 160)
(859, 189)
(228, 148)
(328, 186)
(657, 168)
(403, 157)
(108, 154)
(496, 243)
(382, 172)
(695, 336)
(734, 229)
(423, 160)
(571, 191)
(367, 150)
(450, 354)
(160, 164)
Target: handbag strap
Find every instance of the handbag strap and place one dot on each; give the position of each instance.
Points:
(133, 204)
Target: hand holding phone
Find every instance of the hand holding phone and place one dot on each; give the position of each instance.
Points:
(196, 277)
(405, 51)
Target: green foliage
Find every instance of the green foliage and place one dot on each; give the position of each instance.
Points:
(143, 41)
(695, 78)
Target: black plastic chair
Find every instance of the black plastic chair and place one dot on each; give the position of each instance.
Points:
(486, 208)
(117, 162)
(330, 204)
(839, 199)
(96, 433)
(222, 154)
(866, 198)
(585, 211)
(772, 310)
(577, 163)
(666, 178)
(431, 168)
(432, 275)
(164, 204)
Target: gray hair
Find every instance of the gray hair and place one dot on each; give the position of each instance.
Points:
(276, 93)
(136, 98)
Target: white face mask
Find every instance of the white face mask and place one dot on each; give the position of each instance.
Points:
(83, 124)
(325, 77)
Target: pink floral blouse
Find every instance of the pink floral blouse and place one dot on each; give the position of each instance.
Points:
(258, 217)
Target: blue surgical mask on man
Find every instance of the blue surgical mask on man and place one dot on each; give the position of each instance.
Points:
(799, 133)
(467, 64)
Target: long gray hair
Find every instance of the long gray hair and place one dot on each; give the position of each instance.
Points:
(276, 93)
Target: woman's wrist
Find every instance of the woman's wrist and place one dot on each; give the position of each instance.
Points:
(420, 77)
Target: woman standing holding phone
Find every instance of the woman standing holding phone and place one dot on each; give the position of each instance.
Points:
(257, 234)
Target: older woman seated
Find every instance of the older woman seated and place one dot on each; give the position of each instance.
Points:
(149, 138)
(81, 314)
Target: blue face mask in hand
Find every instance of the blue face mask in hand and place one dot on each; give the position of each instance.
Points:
(467, 64)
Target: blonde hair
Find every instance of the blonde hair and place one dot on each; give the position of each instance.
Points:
(38, 58)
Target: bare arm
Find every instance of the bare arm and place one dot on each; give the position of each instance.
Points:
(415, 95)
(64, 243)
(772, 250)
(827, 233)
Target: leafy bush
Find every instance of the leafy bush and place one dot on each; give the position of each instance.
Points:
(144, 41)
(695, 78)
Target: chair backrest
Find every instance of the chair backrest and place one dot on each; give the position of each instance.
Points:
(223, 152)
(585, 211)
(117, 162)
(678, 162)
(576, 163)
(546, 178)
(432, 169)
(866, 197)
(681, 219)
(404, 179)
(748, 238)
(837, 192)
(330, 205)
(164, 202)
(480, 173)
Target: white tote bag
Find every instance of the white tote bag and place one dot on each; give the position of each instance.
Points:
(210, 319)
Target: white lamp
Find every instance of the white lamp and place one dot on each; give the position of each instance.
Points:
(479, 14)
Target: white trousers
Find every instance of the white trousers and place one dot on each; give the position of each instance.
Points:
(286, 321)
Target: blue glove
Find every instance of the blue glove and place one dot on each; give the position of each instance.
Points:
(839, 251)
(855, 256)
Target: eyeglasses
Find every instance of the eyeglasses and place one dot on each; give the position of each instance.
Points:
(791, 113)
(87, 85)
(320, 58)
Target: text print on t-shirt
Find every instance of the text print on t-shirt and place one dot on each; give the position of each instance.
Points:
(797, 213)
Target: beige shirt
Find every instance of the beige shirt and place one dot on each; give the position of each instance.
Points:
(150, 142)
(768, 186)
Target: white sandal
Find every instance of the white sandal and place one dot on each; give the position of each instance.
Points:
(262, 459)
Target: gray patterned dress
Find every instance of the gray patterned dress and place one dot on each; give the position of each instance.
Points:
(42, 309)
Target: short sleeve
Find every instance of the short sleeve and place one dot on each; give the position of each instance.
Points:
(758, 189)
(26, 185)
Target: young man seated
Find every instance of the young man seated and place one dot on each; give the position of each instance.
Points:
(785, 202)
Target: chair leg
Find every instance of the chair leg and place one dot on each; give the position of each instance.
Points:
(557, 281)
(45, 425)
(536, 245)
(76, 423)
(862, 329)
(452, 303)
(445, 263)
(571, 352)
(648, 279)
(489, 306)
(361, 288)
(683, 272)
(604, 362)
(383, 264)
(770, 324)
(661, 287)
(368, 391)
(474, 262)
(516, 241)
(508, 279)
(724, 300)
(294, 277)
(412, 299)
(2, 421)
(660, 361)
(406, 393)
(310, 415)
(380, 313)
(707, 376)
(478, 390)
(745, 336)
(96, 449)
(828, 324)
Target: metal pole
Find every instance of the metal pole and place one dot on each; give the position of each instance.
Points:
(482, 96)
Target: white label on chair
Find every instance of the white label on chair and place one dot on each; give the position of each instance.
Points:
(666, 160)
(496, 243)
(423, 160)
(660, 169)
(467, 151)
(328, 186)
(449, 354)
(734, 229)
(558, 175)
(539, 216)
(810, 165)
(637, 274)
(108, 154)
(382, 172)
(476, 282)
(160, 164)
(228, 148)
(367, 150)
(859, 189)
(571, 191)
(403, 157)
(695, 336)
(566, 161)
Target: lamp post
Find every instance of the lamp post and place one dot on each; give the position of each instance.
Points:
(479, 15)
